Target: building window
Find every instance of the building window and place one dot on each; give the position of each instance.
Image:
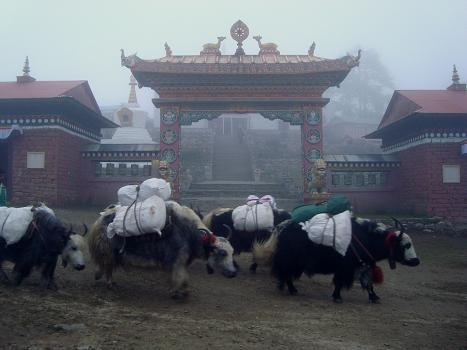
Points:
(98, 169)
(383, 179)
(359, 180)
(134, 170)
(146, 170)
(371, 179)
(36, 160)
(451, 174)
(348, 179)
(335, 180)
(110, 169)
(122, 169)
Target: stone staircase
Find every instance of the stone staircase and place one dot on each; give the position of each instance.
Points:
(232, 180)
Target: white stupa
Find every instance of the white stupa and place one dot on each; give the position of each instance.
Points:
(132, 119)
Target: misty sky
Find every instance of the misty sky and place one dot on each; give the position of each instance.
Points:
(418, 41)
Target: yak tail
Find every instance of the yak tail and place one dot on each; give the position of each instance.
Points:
(263, 252)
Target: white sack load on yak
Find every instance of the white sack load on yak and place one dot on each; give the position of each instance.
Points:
(333, 231)
(256, 215)
(14, 222)
(147, 216)
(154, 186)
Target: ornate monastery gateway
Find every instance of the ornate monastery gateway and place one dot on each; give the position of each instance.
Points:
(204, 86)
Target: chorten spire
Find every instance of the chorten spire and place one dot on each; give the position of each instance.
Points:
(25, 78)
(132, 99)
(456, 85)
(455, 75)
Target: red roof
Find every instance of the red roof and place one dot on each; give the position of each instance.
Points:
(406, 103)
(78, 89)
(438, 101)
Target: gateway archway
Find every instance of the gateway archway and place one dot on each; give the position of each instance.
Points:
(205, 86)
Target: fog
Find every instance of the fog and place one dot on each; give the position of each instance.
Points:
(417, 41)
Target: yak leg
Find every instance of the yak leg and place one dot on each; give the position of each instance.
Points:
(179, 278)
(47, 278)
(290, 286)
(336, 295)
(21, 270)
(372, 295)
(109, 277)
(253, 267)
(3, 276)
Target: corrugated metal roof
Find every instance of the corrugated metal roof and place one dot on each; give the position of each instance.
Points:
(359, 158)
(438, 101)
(120, 148)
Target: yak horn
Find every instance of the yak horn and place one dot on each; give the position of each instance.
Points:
(229, 229)
(399, 225)
(85, 230)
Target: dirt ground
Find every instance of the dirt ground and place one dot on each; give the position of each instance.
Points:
(421, 308)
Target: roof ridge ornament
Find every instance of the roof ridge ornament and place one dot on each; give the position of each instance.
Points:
(311, 50)
(239, 32)
(213, 48)
(455, 75)
(25, 78)
(266, 48)
(168, 51)
(127, 61)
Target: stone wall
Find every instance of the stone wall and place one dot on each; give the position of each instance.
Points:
(197, 153)
(60, 181)
(432, 225)
(420, 187)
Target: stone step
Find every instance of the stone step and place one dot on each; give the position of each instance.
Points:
(206, 204)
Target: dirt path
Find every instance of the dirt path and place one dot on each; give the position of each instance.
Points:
(421, 308)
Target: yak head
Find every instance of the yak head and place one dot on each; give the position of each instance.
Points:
(73, 251)
(221, 257)
(401, 247)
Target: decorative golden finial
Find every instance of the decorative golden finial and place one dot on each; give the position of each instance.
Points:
(168, 51)
(311, 50)
(455, 75)
(132, 99)
(26, 69)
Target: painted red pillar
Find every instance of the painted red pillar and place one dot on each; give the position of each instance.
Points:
(170, 140)
(312, 142)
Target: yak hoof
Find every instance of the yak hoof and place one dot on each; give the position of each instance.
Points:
(293, 291)
(374, 299)
(98, 275)
(253, 267)
(337, 300)
(179, 294)
(209, 269)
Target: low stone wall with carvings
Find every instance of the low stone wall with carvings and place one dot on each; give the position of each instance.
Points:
(432, 225)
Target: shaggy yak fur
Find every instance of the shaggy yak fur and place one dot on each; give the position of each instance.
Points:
(183, 239)
(291, 253)
(220, 222)
(45, 239)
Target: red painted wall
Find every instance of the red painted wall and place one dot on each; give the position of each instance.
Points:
(60, 182)
(420, 187)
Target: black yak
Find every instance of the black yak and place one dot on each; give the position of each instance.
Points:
(220, 221)
(183, 239)
(45, 239)
(291, 253)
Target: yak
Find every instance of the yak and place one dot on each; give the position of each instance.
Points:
(291, 253)
(220, 221)
(183, 239)
(45, 239)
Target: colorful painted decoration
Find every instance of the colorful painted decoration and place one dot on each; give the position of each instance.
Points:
(309, 174)
(169, 155)
(169, 117)
(313, 136)
(171, 174)
(313, 118)
(169, 136)
(313, 154)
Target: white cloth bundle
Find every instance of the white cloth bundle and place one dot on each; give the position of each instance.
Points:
(251, 218)
(150, 217)
(14, 222)
(333, 231)
(149, 187)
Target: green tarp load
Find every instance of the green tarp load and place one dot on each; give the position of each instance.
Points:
(335, 205)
